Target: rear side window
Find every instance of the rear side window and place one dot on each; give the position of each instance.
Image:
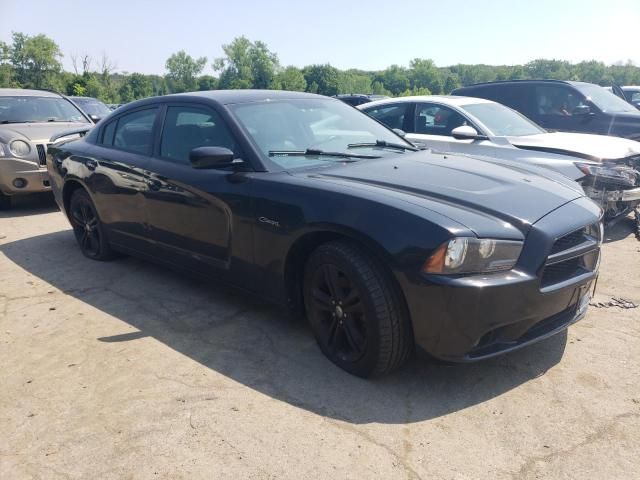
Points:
(132, 132)
(186, 128)
(434, 119)
(393, 116)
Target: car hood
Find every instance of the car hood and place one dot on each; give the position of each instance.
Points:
(580, 145)
(508, 194)
(35, 132)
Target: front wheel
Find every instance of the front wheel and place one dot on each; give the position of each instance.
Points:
(356, 313)
(87, 228)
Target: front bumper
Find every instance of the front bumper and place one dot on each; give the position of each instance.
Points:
(471, 318)
(15, 172)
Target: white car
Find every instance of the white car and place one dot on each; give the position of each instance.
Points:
(608, 168)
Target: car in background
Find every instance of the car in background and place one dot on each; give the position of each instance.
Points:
(630, 93)
(355, 99)
(94, 108)
(608, 168)
(28, 119)
(563, 105)
(305, 201)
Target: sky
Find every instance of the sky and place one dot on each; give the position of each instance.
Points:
(139, 35)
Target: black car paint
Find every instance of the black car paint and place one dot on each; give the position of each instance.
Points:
(518, 94)
(253, 226)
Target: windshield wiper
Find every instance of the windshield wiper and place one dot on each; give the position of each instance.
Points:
(383, 144)
(312, 152)
(4, 122)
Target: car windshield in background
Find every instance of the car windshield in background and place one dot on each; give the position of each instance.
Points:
(92, 107)
(604, 99)
(303, 125)
(29, 109)
(502, 121)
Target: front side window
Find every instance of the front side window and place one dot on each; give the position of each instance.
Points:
(186, 128)
(92, 106)
(31, 109)
(434, 119)
(558, 100)
(134, 131)
(391, 115)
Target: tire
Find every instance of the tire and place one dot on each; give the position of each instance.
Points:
(356, 311)
(87, 227)
(5, 201)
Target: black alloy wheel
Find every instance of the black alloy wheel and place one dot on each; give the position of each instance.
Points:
(355, 310)
(86, 225)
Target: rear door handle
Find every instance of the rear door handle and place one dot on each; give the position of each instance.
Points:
(91, 164)
(154, 185)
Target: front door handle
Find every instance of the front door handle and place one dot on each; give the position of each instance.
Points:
(154, 185)
(91, 164)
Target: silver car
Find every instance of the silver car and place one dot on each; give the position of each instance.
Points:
(608, 168)
(28, 119)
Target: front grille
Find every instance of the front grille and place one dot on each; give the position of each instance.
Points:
(571, 255)
(568, 241)
(42, 154)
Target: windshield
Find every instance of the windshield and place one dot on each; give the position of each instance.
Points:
(38, 109)
(604, 99)
(502, 121)
(312, 124)
(92, 106)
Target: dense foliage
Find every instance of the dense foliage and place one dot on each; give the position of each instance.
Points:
(34, 62)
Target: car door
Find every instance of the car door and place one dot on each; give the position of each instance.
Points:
(191, 211)
(561, 107)
(119, 182)
(433, 124)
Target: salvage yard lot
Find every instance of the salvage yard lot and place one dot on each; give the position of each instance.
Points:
(128, 370)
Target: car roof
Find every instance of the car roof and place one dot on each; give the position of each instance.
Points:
(25, 92)
(82, 98)
(226, 97)
(443, 99)
(532, 80)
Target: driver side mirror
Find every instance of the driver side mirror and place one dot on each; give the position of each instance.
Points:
(211, 157)
(582, 110)
(465, 132)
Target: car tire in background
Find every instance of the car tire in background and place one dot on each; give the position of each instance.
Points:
(5, 201)
(356, 312)
(87, 228)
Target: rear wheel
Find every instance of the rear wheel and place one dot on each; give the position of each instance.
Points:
(356, 312)
(87, 227)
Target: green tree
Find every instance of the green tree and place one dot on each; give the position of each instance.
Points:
(354, 81)
(35, 60)
(423, 73)
(322, 79)
(183, 70)
(395, 79)
(291, 78)
(207, 82)
(246, 64)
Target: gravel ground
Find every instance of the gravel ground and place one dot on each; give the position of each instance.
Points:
(127, 370)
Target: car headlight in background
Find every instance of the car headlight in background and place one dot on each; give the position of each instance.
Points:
(19, 148)
(615, 173)
(473, 255)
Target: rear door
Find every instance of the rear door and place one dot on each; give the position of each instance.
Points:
(393, 115)
(191, 212)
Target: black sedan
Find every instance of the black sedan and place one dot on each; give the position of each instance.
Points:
(307, 202)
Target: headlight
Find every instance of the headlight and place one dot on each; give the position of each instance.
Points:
(616, 173)
(473, 255)
(19, 148)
